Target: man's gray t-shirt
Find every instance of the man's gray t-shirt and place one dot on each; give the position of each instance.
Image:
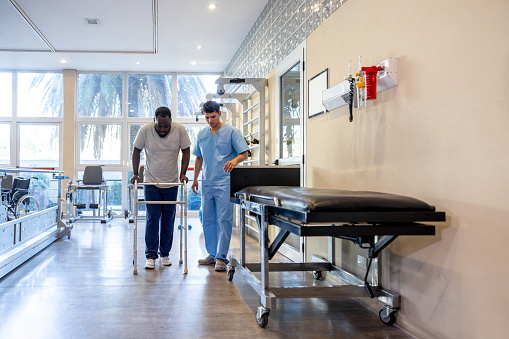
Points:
(162, 153)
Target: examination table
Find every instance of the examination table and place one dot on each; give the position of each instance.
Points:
(371, 220)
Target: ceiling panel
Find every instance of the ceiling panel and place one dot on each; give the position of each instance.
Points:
(15, 32)
(120, 28)
(124, 39)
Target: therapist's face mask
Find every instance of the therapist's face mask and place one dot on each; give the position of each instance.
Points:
(162, 126)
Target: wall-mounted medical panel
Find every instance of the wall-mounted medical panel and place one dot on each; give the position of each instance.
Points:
(336, 96)
(388, 75)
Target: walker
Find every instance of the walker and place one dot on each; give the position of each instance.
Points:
(183, 219)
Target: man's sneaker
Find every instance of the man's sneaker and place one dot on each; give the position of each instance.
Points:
(150, 264)
(220, 265)
(207, 261)
(166, 261)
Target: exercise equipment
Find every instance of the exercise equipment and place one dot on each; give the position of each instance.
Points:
(94, 184)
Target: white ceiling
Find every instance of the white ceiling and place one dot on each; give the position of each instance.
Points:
(125, 34)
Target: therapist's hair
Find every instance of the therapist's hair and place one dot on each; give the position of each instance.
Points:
(211, 107)
(163, 111)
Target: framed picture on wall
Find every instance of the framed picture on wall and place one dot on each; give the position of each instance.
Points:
(316, 85)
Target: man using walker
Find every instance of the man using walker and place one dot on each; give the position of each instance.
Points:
(162, 141)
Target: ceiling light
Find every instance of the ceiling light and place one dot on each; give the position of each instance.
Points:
(198, 47)
(63, 61)
(92, 21)
(137, 62)
(193, 63)
(212, 6)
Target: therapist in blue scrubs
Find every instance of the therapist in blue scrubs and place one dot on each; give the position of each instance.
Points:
(219, 148)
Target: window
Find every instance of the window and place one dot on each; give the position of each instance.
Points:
(290, 117)
(100, 144)
(39, 145)
(290, 130)
(133, 132)
(192, 91)
(108, 141)
(193, 200)
(31, 116)
(5, 94)
(100, 95)
(146, 93)
(114, 181)
(40, 94)
(5, 144)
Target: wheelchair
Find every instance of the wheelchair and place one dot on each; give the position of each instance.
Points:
(17, 198)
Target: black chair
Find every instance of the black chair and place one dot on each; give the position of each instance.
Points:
(19, 188)
(16, 196)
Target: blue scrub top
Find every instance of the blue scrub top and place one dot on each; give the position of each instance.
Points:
(216, 151)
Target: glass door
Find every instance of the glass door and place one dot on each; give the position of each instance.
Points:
(290, 131)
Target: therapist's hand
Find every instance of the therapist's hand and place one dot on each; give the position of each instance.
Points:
(194, 186)
(230, 165)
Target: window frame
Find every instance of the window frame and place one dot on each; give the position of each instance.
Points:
(15, 120)
(125, 164)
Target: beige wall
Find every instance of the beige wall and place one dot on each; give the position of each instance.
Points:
(440, 136)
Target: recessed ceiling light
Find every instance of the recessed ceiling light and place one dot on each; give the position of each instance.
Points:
(212, 6)
(63, 61)
(137, 62)
(193, 63)
(92, 21)
(198, 47)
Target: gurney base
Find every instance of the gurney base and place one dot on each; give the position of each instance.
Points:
(340, 284)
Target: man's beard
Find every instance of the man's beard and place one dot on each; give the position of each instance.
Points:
(162, 134)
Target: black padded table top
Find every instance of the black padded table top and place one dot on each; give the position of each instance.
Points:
(307, 199)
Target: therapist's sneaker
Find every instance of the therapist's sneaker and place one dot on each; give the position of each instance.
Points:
(220, 265)
(207, 261)
(166, 261)
(150, 264)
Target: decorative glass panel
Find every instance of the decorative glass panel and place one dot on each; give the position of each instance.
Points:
(146, 93)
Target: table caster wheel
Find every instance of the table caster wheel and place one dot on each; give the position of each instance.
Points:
(317, 275)
(262, 316)
(230, 271)
(389, 319)
(230, 275)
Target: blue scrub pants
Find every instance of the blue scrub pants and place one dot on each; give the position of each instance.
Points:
(160, 220)
(217, 220)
